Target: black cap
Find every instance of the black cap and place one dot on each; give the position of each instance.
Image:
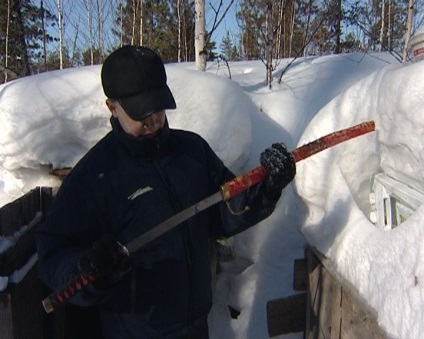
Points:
(135, 76)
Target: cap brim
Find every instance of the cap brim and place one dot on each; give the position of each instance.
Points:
(141, 105)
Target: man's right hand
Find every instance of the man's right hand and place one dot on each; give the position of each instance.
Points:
(107, 261)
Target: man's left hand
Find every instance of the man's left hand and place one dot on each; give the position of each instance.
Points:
(280, 165)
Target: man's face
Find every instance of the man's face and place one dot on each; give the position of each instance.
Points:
(148, 127)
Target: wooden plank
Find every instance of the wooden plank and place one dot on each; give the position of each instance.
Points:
(356, 323)
(325, 307)
(333, 310)
(17, 255)
(30, 205)
(18, 213)
(46, 198)
(336, 312)
(6, 225)
(313, 296)
(21, 313)
(24, 212)
(300, 275)
(6, 323)
(286, 315)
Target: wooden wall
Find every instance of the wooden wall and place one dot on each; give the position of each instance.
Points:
(22, 315)
(333, 309)
(324, 308)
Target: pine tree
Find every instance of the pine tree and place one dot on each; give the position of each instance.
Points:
(226, 46)
(25, 36)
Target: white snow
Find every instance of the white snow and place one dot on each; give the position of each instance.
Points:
(52, 119)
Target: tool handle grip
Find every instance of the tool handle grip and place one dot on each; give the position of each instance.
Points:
(63, 294)
(258, 174)
(332, 139)
(242, 182)
(77, 284)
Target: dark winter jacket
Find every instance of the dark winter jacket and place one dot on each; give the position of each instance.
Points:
(125, 186)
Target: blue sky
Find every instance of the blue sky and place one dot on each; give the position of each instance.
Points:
(228, 24)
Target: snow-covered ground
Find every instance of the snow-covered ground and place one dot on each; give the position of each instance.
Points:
(52, 119)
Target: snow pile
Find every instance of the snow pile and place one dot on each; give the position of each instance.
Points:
(52, 119)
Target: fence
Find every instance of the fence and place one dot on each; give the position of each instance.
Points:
(21, 315)
(21, 312)
(325, 309)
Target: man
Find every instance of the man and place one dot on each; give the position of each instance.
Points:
(138, 175)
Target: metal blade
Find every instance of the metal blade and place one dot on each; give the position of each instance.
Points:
(172, 222)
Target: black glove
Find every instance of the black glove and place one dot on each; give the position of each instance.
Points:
(281, 168)
(107, 261)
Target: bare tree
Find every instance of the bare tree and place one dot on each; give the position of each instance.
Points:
(43, 27)
(269, 43)
(383, 8)
(121, 19)
(264, 21)
(180, 28)
(7, 40)
(90, 30)
(199, 35)
(408, 29)
(100, 27)
(389, 25)
(219, 15)
(339, 16)
(60, 16)
(141, 23)
(134, 13)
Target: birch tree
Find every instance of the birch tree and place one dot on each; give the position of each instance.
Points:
(408, 29)
(60, 23)
(180, 24)
(7, 40)
(382, 29)
(90, 31)
(100, 27)
(199, 35)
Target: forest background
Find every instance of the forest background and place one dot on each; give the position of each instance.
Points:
(42, 35)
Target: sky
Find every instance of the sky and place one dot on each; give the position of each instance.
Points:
(228, 23)
(335, 204)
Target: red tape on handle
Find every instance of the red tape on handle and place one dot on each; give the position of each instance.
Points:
(243, 182)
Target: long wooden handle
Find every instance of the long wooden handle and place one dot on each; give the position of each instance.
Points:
(258, 174)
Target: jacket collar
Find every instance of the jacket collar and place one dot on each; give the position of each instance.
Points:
(141, 146)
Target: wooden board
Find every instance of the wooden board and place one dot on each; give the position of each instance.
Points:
(286, 315)
(333, 310)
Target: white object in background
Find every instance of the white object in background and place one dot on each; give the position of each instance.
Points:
(392, 201)
(416, 46)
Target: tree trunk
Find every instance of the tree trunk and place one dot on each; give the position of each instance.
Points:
(293, 21)
(408, 29)
(25, 58)
(43, 27)
(383, 8)
(100, 26)
(389, 26)
(6, 57)
(121, 24)
(269, 44)
(141, 23)
(179, 29)
(59, 11)
(199, 35)
(90, 31)
(338, 28)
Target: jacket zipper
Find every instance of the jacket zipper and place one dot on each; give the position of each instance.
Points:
(185, 235)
